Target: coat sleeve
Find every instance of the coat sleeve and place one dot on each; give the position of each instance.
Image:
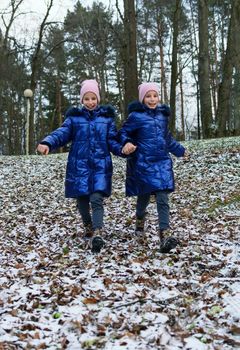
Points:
(126, 133)
(60, 136)
(114, 145)
(174, 147)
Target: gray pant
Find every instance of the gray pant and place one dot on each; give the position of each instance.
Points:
(96, 202)
(162, 207)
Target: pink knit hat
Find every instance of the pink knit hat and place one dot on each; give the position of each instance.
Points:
(90, 85)
(144, 88)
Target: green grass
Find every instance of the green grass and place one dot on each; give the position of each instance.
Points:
(233, 198)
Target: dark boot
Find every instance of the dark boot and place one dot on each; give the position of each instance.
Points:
(97, 242)
(167, 241)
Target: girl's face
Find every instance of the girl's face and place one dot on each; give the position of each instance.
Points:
(151, 99)
(90, 101)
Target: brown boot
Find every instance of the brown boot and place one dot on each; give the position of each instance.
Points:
(140, 225)
(88, 231)
(167, 241)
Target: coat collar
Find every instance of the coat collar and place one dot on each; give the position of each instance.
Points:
(102, 110)
(137, 106)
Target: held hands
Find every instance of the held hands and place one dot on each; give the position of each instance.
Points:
(43, 149)
(186, 156)
(128, 148)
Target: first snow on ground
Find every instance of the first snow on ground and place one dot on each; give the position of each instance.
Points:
(56, 294)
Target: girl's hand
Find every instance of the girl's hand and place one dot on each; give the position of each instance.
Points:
(186, 156)
(43, 149)
(128, 148)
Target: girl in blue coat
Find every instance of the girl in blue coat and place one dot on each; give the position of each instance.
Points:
(150, 167)
(92, 133)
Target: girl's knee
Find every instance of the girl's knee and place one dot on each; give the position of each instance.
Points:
(96, 199)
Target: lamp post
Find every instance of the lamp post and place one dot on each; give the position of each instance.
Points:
(28, 94)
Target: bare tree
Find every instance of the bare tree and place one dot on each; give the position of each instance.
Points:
(14, 14)
(11, 73)
(203, 69)
(130, 52)
(231, 60)
(182, 102)
(174, 66)
(35, 61)
(161, 31)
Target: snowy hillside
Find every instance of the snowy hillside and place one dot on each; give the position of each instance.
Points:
(55, 294)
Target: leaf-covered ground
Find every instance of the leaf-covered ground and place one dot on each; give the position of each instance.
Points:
(56, 294)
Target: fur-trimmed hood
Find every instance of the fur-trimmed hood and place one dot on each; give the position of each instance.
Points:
(103, 110)
(137, 106)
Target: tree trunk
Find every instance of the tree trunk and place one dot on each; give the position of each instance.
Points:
(34, 76)
(236, 101)
(232, 57)
(214, 66)
(194, 47)
(102, 83)
(59, 105)
(198, 113)
(182, 106)
(130, 53)
(10, 129)
(120, 89)
(164, 94)
(174, 67)
(203, 69)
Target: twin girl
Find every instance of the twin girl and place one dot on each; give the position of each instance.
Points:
(144, 140)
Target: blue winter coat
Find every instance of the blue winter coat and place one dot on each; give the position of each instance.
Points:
(150, 167)
(93, 136)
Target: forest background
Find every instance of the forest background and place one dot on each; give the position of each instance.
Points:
(191, 48)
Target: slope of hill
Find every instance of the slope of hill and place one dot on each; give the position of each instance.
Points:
(55, 294)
